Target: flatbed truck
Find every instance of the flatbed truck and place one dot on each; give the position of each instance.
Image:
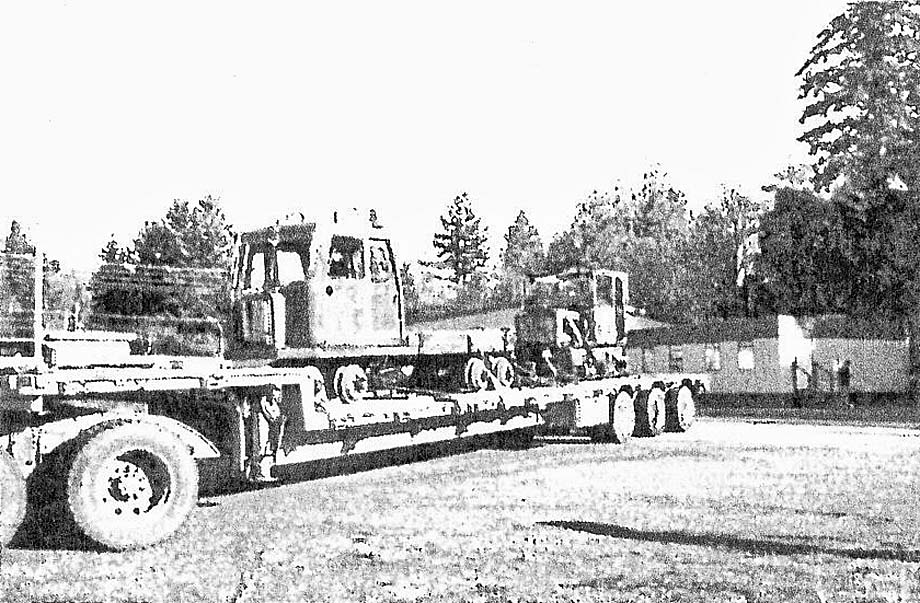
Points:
(119, 444)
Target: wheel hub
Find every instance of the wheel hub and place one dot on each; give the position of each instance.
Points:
(131, 487)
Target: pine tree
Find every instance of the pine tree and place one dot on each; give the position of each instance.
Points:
(523, 251)
(113, 253)
(461, 246)
(863, 101)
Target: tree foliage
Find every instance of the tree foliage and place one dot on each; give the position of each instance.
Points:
(523, 252)
(641, 232)
(801, 254)
(462, 243)
(860, 84)
(189, 236)
(718, 256)
(62, 292)
(856, 251)
(176, 267)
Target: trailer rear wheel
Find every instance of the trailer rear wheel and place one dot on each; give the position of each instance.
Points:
(681, 408)
(350, 383)
(503, 371)
(650, 412)
(476, 375)
(622, 421)
(131, 485)
(12, 497)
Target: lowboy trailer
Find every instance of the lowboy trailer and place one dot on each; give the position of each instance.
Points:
(119, 444)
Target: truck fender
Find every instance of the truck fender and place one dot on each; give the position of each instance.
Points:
(199, 446)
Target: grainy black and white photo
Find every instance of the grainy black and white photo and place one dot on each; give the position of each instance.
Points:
(460, 302)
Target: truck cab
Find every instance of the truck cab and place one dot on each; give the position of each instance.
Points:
(576, 318)
(308, 285)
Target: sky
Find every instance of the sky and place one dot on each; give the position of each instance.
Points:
(111, 110)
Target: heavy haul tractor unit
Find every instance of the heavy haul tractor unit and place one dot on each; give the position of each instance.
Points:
(316, 367)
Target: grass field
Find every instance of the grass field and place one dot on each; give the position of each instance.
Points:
(731, 511)
(878, 414)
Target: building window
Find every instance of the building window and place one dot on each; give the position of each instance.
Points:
(713, 357)
(745, 355)
(675, 359)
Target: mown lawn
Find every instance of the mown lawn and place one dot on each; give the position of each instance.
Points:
(732, 511)
(900, 414)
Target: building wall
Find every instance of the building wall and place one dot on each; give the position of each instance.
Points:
(876, 365)
(767, 375)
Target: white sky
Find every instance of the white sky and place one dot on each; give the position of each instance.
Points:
(109, 111)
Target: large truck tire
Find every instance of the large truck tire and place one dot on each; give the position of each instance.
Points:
(622, 420)
(131, 485)
(650, 412)
(12, 498)
(681, 408)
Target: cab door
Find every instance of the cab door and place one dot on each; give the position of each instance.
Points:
(341, 294)
(386, 303)
(255, 307)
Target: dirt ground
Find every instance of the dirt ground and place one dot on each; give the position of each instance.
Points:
(731, 511)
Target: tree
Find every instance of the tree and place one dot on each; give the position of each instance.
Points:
(113, 253)
(461, 246)
(17, 241)
(657, 210)
(190, 236)
(61, 292)
(176, 272)
(653, 226)
(595, 239)
(862, 114)
(523, 251)
(641, 232)
(717, 266)
(523, 255)
(860, 83)
(802, 255)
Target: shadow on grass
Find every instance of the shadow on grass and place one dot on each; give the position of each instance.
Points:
(728, 541)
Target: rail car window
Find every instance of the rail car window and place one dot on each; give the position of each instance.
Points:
(745, 355)
(346, 258)
(379, 262)
(712, 357)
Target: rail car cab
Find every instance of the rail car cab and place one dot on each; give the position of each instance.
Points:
(315, 285)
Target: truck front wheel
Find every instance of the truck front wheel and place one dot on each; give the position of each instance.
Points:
(12, 498)
(131, 485)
